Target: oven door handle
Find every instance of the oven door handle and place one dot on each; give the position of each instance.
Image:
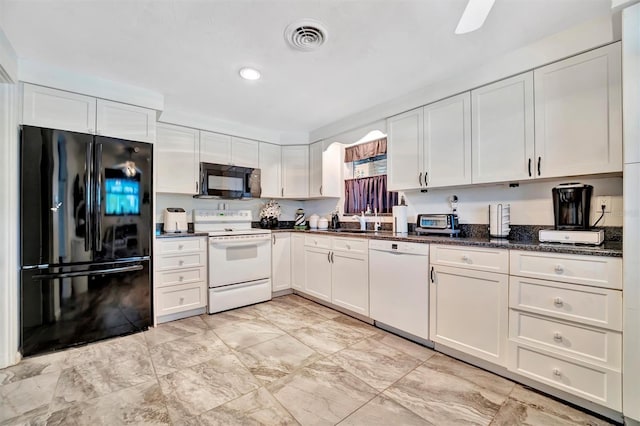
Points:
(250, 242)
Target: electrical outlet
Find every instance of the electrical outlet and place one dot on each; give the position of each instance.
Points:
(603, 201)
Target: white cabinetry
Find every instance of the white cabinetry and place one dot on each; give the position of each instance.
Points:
(180, 277)
(315, 169)
(124, 121)
(280, 261)
(578, 113)
(326, 164)
(446, 155)
(337, 271)
(295, 171)
(57, 109)
(271, 170)
(224, 149)
(468, 306)
(405, 136)
(563, 333)
(177, 160)
(431, 146)
(298, 269)
(502, 130)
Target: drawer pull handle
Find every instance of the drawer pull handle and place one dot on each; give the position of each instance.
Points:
(557, 336)
(181, 262)
(558, 302)
(181, 278)
(182, 300)
(557, 372)
(465, 258)
(559, 269)
(348, 247)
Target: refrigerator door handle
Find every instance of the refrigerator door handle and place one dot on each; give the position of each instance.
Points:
(88, 182)
(87, 273)
(98, 197)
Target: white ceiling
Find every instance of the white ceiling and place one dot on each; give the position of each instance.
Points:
(191, 50)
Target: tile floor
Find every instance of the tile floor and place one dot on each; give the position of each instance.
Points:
(287, 361)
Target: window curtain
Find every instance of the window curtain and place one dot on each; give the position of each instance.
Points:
(365, 150)
(370, 190)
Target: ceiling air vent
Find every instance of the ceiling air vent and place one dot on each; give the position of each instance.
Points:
(305, 35)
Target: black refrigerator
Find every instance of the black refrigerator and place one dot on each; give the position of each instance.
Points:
(85, 232)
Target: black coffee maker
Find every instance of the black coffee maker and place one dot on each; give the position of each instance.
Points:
(571, 206)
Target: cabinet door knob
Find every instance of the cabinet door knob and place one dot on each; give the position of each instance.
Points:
(180, 278)
(557, 336)
(181, 262)
(465, 258)
(181, 300)
(559, 269)
(348, 247)
(557, 372)
(180, 247)
(558, 302)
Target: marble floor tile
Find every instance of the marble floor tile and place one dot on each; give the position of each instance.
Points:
(403, 345)
(321, 393)
(276, 358)
(244, 334)
(382, 411)
(295, 318)
(377, 365)
(27, 396)
(33, 366)
(143, 404)
(255, 408)
(445, 391)
(525, 407)
(356, 324)
(175, 330)
(177, 354)
(248, 313)
(192, 391)
(295, 300)
(329, 336)
(99, 378)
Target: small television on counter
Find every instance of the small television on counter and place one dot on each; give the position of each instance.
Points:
(122, 193)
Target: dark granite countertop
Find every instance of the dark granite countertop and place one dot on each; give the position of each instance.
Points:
(182, 234)
(611, 249)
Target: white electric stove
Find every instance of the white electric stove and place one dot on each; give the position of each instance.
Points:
(239, 258)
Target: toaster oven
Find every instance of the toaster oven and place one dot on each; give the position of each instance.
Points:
(446, 223)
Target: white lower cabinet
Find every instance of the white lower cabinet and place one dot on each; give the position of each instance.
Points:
(337, 271)
(468, 311)
(298, 268)
(180, 280)
(280, 261)
(563, 334)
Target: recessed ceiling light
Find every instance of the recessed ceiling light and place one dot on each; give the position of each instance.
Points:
(249, 73)
(474, 15)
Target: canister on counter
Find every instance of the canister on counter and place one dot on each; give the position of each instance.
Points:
(301, 222)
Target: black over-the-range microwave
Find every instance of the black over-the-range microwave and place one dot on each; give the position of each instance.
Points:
(227, 181)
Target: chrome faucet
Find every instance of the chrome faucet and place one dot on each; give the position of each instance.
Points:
(362, 220)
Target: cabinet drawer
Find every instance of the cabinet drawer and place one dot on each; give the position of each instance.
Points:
(180, 298)
(317, 241)
(481, 259)
(586, 305)
(181, 245)
(598, 384)
(596, 271)
(590, 344)
(187, 260)
(351, 245)
(181, 276)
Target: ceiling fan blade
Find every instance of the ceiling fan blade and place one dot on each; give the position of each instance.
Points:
(474, 15)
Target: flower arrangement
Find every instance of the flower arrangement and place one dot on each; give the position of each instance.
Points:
(271, 209)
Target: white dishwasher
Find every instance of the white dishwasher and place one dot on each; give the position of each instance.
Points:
(399, 286)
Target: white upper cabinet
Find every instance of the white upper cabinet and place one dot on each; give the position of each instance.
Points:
(177, 159)
(215, 148)
(295, 171)
(315, 169)
(405, 136)
(270, 170)
(447, 142)
(125, 121)
(502, 130)
(578, 105)
(333, 170)
(57, 109)
(245, 152)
